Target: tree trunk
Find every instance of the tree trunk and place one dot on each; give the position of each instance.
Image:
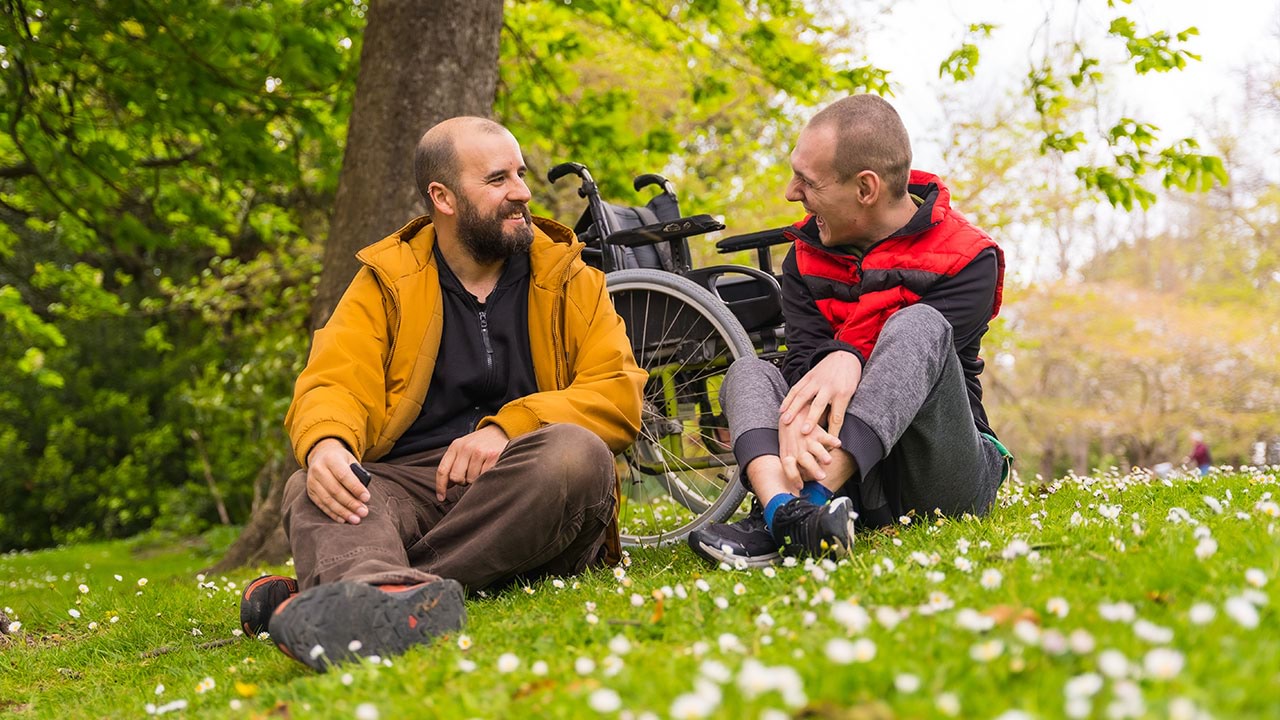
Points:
(422, 62)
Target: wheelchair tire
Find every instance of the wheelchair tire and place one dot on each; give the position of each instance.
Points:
(680, 474)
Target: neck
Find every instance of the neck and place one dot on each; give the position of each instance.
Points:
(893, 219)
(477, 277)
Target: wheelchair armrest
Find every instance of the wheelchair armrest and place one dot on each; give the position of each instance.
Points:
(658, 232)
(708, 276)
(753, 241)
(755, 300)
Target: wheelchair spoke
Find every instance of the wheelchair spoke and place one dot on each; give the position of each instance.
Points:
(680, 473)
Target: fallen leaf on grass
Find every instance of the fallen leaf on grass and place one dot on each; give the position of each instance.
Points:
(658, 599)
(528, 689)
(1009, 615)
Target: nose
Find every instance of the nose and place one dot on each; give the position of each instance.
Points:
(792, 193)
(520, 191)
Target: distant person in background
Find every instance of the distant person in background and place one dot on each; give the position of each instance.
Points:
(1200, 453)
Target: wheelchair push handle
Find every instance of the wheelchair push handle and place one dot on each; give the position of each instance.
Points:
(588, 190)
(644, 181)
(569, 168)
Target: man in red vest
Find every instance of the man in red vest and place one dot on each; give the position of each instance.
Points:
(877, 410)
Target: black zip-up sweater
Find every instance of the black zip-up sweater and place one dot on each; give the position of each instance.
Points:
(484, 359)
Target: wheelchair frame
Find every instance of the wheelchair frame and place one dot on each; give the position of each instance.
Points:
(686, 325)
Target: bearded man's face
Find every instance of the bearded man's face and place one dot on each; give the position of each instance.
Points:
(489, 237)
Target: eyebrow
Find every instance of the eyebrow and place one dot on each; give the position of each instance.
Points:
(494, 175)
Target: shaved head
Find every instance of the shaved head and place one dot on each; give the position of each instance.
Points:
(436, 158)
(869, 136)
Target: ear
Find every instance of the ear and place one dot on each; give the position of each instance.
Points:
(443, 198)
(869, 186)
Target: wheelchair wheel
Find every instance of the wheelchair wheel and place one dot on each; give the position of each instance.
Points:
(680, 474)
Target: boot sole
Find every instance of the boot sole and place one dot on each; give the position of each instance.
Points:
(335, 616)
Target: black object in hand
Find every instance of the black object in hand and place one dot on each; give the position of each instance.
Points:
(361, 474)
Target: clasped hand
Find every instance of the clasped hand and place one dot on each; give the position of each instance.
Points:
(823, 394)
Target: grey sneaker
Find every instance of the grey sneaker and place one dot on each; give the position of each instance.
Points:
(802, 528)
(344, 621)
(746, 542)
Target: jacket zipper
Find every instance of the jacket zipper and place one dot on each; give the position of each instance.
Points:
(488, 348)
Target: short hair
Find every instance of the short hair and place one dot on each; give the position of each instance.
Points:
(436, 157)
(869, 136)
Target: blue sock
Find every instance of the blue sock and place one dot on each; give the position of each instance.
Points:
(772, 507)
(816, 493)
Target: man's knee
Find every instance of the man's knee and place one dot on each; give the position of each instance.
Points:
(920, 322)
(577, 458)
(751, 378)
(295, 490)
(749, 371)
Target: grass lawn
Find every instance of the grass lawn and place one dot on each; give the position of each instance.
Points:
(1108, 596)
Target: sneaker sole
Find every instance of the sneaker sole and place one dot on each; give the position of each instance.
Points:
(348, 621)
(255, 613)
(840, 549)
(716, 555)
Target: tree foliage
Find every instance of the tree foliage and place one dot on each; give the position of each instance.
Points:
(1116, 160)
(159, 192)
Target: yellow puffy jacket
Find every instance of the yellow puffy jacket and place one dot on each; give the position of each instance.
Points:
(371, 364)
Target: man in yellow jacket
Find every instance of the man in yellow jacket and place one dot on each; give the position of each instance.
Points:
(457, 418)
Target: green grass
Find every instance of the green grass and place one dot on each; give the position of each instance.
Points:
(705, 650)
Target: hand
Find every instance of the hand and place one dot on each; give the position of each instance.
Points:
(468, 457)
(826, 390)
(332, 486)
(805, 456)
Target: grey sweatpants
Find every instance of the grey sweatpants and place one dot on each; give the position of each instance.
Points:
(909, 426)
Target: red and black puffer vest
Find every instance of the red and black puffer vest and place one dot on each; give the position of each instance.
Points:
(858, 296)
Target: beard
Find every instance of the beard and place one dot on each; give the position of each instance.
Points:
(487, 239)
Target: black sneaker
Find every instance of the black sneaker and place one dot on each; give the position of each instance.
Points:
(261, 598)
(344, 621)
(802, 528)
(746, 543)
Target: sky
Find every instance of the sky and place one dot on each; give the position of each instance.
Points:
(912, 38)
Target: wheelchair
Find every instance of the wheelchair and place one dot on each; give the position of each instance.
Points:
(686, 325)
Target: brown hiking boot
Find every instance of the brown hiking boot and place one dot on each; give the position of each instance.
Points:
(261, 598)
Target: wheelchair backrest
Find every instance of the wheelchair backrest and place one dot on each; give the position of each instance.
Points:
(661, 208)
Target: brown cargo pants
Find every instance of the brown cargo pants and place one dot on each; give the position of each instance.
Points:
(542, 509)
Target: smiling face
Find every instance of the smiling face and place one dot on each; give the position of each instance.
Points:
(835, 204)
(492, 199)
